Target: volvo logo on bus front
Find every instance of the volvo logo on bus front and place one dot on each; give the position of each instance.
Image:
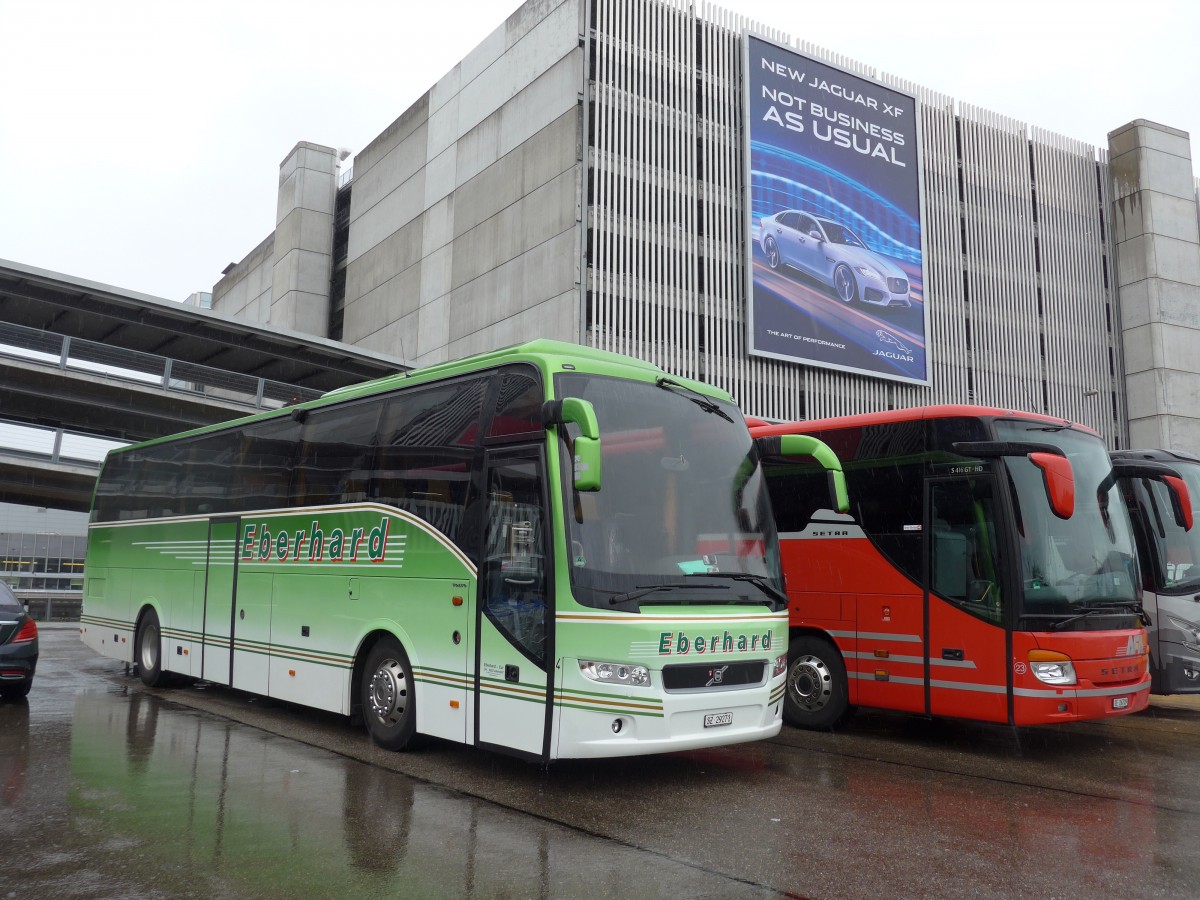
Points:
(715, 675)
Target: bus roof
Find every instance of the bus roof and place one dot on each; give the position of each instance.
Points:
(761, 427)
(547, 355)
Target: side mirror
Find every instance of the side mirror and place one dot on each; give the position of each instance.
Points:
(1181, 498)
(586, 462)
(806, 445)
(1058, 478)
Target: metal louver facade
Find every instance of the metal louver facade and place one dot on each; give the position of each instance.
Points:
(1018, 252)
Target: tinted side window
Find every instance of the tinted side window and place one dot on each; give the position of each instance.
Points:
(798, 489)
(518, 406)
(885, 474)
(428, 440)
(262, 469)
(337, 448)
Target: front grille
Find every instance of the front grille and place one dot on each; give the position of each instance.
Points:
(714, 676)
(898, 285)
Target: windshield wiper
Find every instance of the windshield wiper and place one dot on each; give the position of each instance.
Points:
(705, 403)
(1098, 609)
(1063, 427)
(643, 589)
(757, 580)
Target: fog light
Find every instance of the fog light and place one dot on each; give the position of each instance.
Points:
(616, 726)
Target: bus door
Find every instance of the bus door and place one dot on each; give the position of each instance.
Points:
(219, 589)
(515, 617)
(968, 641)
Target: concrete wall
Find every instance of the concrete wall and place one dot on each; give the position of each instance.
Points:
(1158, 271)
(245, 291)
(284, 281)
(464, 216)
(303, 252)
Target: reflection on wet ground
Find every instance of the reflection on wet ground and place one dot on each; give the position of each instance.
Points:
(112, 790)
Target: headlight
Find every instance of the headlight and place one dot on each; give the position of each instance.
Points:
(780, 666)
(1191, 631)
(869, 273)
(615, 673)
(1052, 667)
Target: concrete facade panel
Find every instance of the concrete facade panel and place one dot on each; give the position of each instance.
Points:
(1173, 217)
(443, 128)
(411, 119)
(399, 208)
(1179, 304)
(436, 271)
(1134, 260)
(1139, 346)
(534, 219)
(522, 64)
(437, 226)
(1142, 169)
(1144, 133)
(556, 318)
(440, 176)
(545, 271)
(1180, 353)
(393, 300)
(1176, 260)
(403, 163)
(433, 327)
(551, 151)
(521, 118)
(391, 256)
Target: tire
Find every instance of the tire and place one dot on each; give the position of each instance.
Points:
(774, 260)
(388, 699)
(148, 650)
(844, 284)
(18, 691)
(816, 697)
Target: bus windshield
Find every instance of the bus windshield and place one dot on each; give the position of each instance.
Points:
(1082, 564)
(683, 513)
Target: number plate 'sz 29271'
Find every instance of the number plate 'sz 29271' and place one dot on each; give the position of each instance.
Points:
(714, 719)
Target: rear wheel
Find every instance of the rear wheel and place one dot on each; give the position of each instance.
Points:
(774, 260)
(388, 700)
(817, 696)
(148, 649)
(16, 691)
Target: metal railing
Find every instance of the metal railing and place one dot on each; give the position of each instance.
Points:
(119, 364)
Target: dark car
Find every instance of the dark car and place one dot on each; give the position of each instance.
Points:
(18, 646)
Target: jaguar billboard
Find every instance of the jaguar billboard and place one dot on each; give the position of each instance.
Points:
(834, 239)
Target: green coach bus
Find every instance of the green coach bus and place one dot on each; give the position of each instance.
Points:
(549, 550)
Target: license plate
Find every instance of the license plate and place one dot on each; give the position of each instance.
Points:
(1120, 702)
(715, 719)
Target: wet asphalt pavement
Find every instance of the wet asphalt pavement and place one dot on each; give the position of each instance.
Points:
(110, 789)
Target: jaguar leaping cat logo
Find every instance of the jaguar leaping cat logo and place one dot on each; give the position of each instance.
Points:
(886, 337)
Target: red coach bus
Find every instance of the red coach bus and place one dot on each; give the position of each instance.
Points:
(986, 570)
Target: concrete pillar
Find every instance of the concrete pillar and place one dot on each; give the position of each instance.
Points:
(303, 251)
(1157, 238)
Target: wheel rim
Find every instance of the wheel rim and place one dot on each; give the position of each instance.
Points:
(149, 649)
(810, 683)
(389, 692)
(844, 283)
(772, 254)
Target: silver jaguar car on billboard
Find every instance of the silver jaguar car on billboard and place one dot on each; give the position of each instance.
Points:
(834, 254)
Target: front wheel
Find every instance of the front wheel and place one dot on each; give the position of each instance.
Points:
(844, 284)
(774, 260)
(148, 651)
(817, 696)
(388, 699)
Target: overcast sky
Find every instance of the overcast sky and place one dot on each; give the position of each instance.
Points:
(140, 142)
